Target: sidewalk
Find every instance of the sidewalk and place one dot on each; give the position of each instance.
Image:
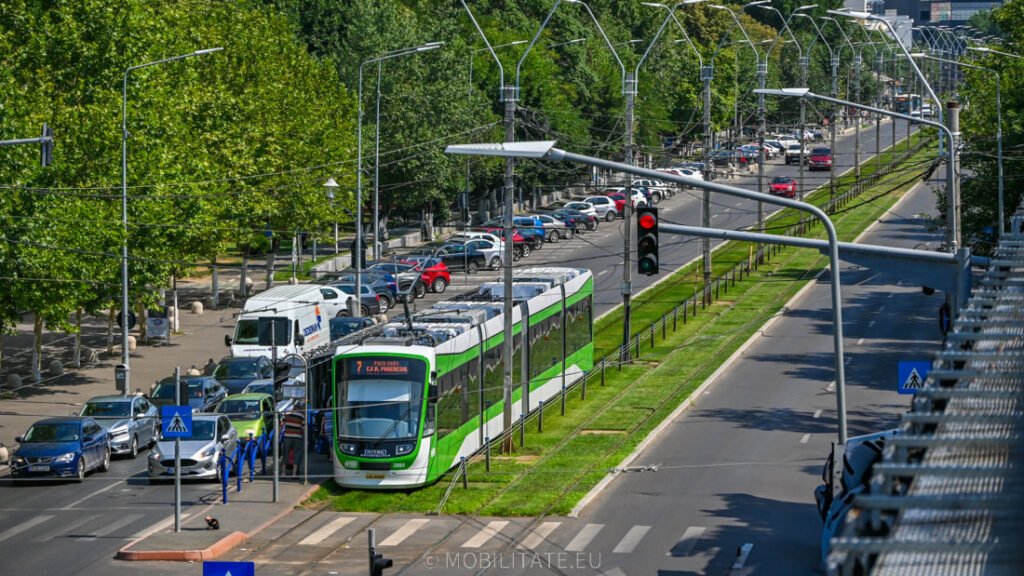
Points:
(245, 515)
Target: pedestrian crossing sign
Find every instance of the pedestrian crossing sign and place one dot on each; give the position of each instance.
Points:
(176, 421)
(911, 376)
(229, 569)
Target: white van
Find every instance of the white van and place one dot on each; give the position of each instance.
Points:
(301, 314)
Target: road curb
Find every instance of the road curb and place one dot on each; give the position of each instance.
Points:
(216, 549)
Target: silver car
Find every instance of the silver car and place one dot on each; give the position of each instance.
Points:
(212, 435)
(553, 227)
(604, 206)
(130, 421)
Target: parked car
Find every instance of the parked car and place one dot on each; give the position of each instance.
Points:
(493, 250)
(777, 147)
(531, 231)
(820, 159)
(405, 275)
(604, 207)
(66, 447)
(434, 273)
(235, 373)
(369, 301)
(336, 301)
(576, 220)
(130, 421)
(250, 414)
(658, 189)
(212, 435)
(383, 284)
(341, 327)
(204, 392)
(783, 186)
(457, 257)
(521, 247)
(638, 198)
(582, 207)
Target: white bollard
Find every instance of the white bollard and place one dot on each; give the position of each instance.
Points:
(197, 308)
(131, 343)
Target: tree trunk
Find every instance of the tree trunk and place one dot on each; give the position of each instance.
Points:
(37, 347)
(110, 330)
(141, 319)
(78, 338)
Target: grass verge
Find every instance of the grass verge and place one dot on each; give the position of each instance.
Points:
(557, 467)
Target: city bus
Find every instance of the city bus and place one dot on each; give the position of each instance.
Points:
(907, 103)
(411, 397)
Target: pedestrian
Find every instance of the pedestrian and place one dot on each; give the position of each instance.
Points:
(210, 368)
(294, 426)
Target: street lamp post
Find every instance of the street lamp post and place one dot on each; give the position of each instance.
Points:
(999, 128)
(833, 58)
(707, 73)
(125, 357)
(331, 186)
(803, 62)
(464, 208)
(376, 138)
(357, 245)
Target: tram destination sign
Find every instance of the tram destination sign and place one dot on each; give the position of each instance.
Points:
(389, 366)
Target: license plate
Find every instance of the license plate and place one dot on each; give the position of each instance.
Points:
(38, 468)
(374, 476)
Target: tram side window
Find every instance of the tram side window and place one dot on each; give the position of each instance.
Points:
(544, 346)
(449, 404)
(494, 376)
(579, 326)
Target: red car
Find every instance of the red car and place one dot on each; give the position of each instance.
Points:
(432, 271)
(520, 246)
(783, 186)
(620, 201)
(820, 159)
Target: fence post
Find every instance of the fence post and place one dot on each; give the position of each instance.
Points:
(583, 388)
(602, 372)
(652, 335)
(487, 454)
(540, 416)
(636, 340)
(522, 430)
(563, 398)
(675, 316)
(465, 473)
(664, 321)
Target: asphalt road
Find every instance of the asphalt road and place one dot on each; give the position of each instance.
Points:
(76, 528)
(740, 468)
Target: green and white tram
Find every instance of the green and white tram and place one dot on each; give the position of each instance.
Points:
(413, 397)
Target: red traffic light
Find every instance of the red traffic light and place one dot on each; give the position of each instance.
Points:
(648, 221)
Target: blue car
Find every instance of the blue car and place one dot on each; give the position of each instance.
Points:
(63, 447)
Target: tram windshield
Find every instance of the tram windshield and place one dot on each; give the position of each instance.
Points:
(381, 397)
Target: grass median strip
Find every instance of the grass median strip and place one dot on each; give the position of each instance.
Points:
(557, 467)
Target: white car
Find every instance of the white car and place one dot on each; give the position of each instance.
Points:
(494, 252)
(583, 207)
(603, 206)
(335, 301)
(659, 190)
(638, 198)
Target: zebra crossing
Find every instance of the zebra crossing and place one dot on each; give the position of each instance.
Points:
(333, 538)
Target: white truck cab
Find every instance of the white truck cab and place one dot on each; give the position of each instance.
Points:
(301, 316)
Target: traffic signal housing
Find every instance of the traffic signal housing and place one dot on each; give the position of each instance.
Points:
(378, 563)
(647, 240)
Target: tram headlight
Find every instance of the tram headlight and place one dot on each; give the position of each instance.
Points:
(403, 449)
(348, 448)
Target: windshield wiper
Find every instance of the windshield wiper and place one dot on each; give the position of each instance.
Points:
(391, 428)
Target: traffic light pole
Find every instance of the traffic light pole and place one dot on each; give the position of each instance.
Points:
(627, 269)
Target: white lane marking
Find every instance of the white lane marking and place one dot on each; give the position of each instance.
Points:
(871, 324)
(583, 539)
(631, 539)
(26, 525)
(322, 533)
(407, 529)
(539, 535)
(738, 204)
(110, 528)
(831, 386)
(66, 529)
(805, 438)
(817, 413)
(741, 556)
(860, 342)
(602, 272)
(486, 533)
(96, 493)
(687, 542)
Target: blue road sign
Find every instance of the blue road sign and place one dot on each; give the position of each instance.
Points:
(911, 375)
(176, 421)
(229, 569)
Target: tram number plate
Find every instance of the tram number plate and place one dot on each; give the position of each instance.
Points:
(370, 476)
